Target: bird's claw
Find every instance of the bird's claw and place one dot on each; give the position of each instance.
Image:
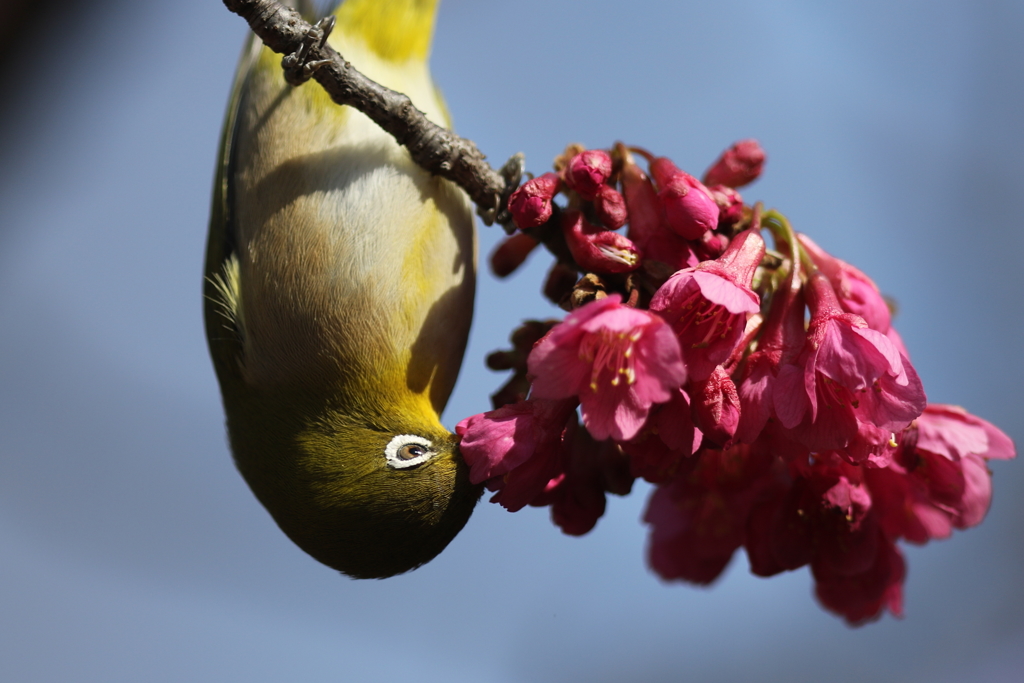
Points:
(512, 173)
(298, 68)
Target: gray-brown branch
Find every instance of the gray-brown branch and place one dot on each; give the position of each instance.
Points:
(435, 149)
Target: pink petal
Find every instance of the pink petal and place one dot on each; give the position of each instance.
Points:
(852, 359)
(724, 292)
(609, 414)
(934, 522)
(617, 318)
(891, 406)
(756, 398)
(789, 396)
(554, 362)
(556, 369)
(659, 364)
(953, 432)
(527, 482)
(498, 441)
(977, 492)
(675, 424)
(863, 298)
(882, 344)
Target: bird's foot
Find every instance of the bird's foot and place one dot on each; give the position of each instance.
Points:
(298, 68)
(512, 172)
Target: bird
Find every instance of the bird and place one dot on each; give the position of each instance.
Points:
(339, 288)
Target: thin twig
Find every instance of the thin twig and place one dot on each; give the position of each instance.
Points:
(435, 149)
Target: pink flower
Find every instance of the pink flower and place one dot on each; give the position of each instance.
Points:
(530, 205)
(698, 520)
(809, 501)
(779, 534)
(856, 292)
(907, 505)
(576, 504)
(642, 201)
(597, 250)
(940, 480)
(739, 165)
(780, 343)
(689, 209)
(861, 595)
(669, 438)
(577, 498)
(850, 383)
(517, 448)
(808, 444)
(897, 341)
(587, 172)
(527, 483)
(619, 361)
(693, 534)
(708, 306)
(824, 515)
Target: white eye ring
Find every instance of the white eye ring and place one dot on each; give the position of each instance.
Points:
(398, 451)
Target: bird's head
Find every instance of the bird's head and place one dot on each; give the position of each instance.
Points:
(371, 493)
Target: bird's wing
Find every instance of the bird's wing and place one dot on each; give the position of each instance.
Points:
(220, 284)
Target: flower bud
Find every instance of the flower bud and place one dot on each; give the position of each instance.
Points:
(730, 204)
(647, 226)
(530, 205)
(738, 166)
(501, 360)
(610, 207)
(716, 406)
(511, 253)
(596, 249)
(711, 246)
(689, 208)
(642, 203)
(587, 172)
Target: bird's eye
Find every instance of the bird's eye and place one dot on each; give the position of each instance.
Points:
(407, 450)
(410, 451)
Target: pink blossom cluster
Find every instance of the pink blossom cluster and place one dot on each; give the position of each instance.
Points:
(764, 393)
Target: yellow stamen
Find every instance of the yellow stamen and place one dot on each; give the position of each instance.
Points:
(613, 351)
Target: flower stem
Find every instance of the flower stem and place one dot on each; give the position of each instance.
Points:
(783, 233)
(642, 152)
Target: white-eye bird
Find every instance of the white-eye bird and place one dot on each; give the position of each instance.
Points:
(339, 292)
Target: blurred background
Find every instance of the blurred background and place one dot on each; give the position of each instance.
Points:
(131, 550)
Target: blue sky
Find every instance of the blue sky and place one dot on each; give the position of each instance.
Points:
(132, 550)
